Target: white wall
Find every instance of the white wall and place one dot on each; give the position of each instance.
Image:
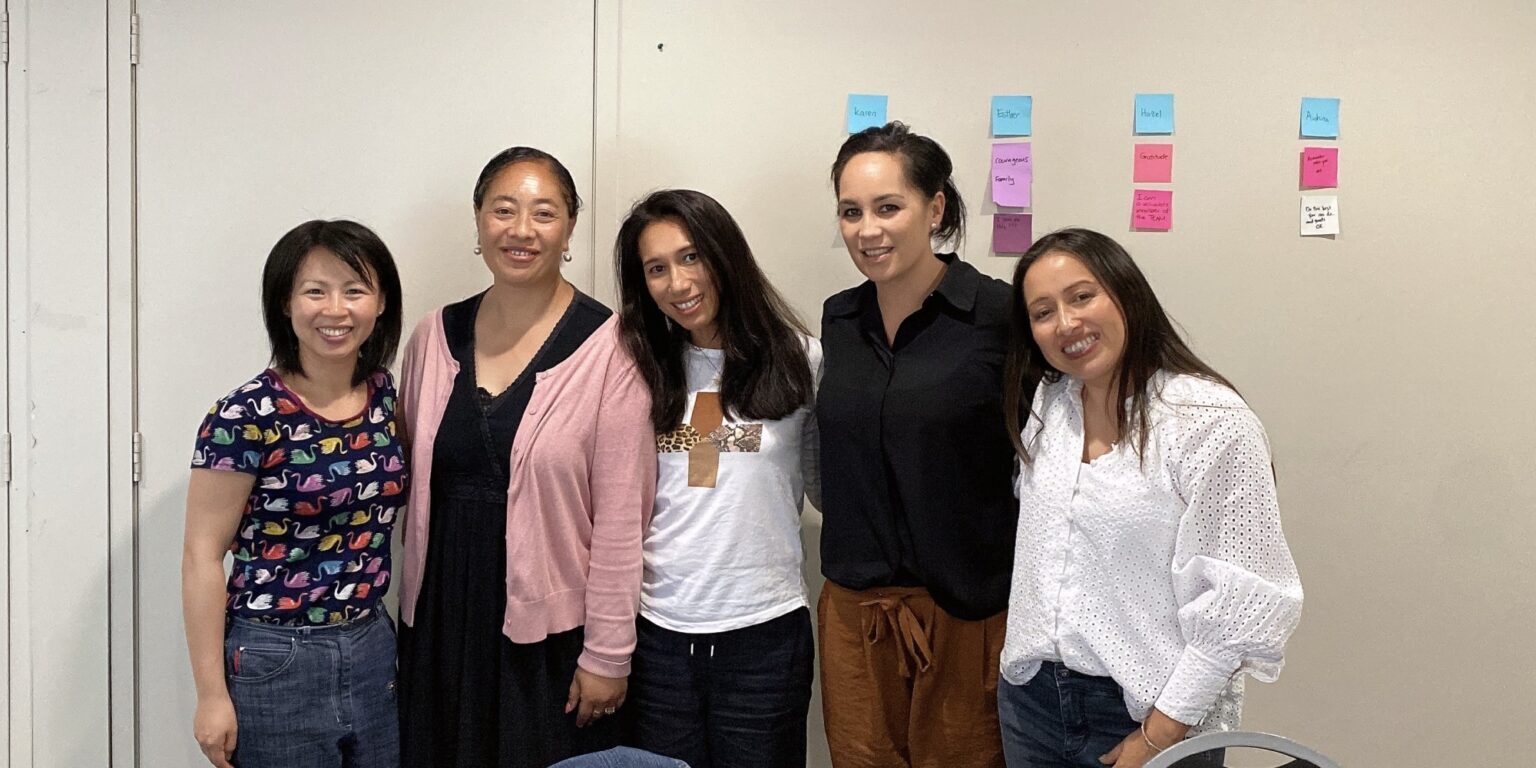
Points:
(1389, 364)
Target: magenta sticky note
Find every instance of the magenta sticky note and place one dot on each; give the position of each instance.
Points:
(1154, 163)
(1012, 232)
(1012, 174)
(1320, 167)
(1152, 209)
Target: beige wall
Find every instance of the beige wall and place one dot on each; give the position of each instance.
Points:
(1390, 365)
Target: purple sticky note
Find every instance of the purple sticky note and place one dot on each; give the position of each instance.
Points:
(1154, 163)
(1152, 209)
(1320, 167)
(1012, 174)
(1012, 232)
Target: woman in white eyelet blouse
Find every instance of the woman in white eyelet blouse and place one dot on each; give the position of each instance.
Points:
(1150, 569)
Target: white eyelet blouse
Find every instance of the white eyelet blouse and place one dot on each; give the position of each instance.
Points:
(1168, 573)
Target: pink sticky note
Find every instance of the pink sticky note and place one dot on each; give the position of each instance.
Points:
(1152, 209)
(1154, 163)
(1320, 167)
(1012, 174)
(1011, 233)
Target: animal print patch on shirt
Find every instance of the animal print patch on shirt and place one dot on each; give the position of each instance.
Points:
(727, 438)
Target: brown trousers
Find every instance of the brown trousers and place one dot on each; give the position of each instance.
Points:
(905, 684)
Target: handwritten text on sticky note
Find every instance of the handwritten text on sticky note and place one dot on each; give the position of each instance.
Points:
(1320, 118)
(1154, 163)
(1011, 232)
(1152, 209)
(1320, 167)
(1319, 215)
(1154, 113)
(865, 111)
(1012, 115)
(1012, 174)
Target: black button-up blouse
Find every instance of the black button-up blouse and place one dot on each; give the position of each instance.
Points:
(915, 458)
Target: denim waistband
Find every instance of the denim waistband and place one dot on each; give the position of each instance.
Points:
(310, 630)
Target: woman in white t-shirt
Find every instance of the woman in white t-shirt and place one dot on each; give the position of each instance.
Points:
(722, 669)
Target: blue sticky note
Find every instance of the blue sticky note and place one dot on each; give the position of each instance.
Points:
(1320, 118)
(1012, 115)
(865, 111)
(1154, 113)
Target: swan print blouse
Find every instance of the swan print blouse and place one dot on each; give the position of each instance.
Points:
(313, 542)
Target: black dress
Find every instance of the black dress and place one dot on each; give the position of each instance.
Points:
(471, 698)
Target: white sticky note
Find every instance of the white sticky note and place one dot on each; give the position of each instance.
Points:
(1319, 215)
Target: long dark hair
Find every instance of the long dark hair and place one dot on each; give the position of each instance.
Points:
(1151, 343)
(364, 253)
(927, 168)
(766, 373)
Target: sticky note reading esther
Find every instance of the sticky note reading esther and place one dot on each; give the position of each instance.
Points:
(1011, 232)
(1154, 113)
(1012, 174)
(1319, 215)
(865, 111)
(1320, 167)
(1152, 209)
(1320, 118)
(1154, 163)
(1012, 115)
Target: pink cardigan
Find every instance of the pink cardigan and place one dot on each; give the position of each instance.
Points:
(583, 481)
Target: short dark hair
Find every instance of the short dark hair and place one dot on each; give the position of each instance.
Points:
(1151, 342)
(926, 165)
(767, 372)
(361, 250)
(512, 155)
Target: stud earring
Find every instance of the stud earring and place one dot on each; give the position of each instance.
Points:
(477, 250)
(565, 256)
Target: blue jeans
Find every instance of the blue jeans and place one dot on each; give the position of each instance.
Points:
(1065, 719)
(737, 698)
(314, 697)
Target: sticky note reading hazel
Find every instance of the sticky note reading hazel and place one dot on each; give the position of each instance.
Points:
(1320, 118)
(1319, 215)
(1012, 115)
(1012, 232)
(1012, 174)
(1154, 163)
(1320, 167)
(865, 111)
(1152, 209)
(1154, 113)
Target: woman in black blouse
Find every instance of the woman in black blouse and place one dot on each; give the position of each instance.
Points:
(916, 466)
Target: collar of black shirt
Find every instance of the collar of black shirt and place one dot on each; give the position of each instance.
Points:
(958, 289)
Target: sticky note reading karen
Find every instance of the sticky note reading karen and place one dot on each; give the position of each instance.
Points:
(1012, 174)
(1154, 163)
(1319, 215)
(1011, 232)
(1320, 118)
(1012, 115)
(1320, 167)
(1154, 113)
(865, 111)
(1152, 209)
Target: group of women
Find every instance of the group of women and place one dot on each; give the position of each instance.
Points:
(1050, 531)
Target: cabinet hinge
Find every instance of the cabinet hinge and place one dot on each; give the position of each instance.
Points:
(133, 39)
(138, 456)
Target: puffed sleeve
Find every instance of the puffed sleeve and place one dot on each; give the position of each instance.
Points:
(623, 486)
(1237, 587)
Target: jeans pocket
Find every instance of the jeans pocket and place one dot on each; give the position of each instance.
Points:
(258, 661)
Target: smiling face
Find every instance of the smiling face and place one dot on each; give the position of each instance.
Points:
(332, 308)
(523, 225)
(887, 223)
(679, 282)
(1074, 320)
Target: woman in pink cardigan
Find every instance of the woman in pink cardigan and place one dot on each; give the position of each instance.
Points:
(533, 472)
